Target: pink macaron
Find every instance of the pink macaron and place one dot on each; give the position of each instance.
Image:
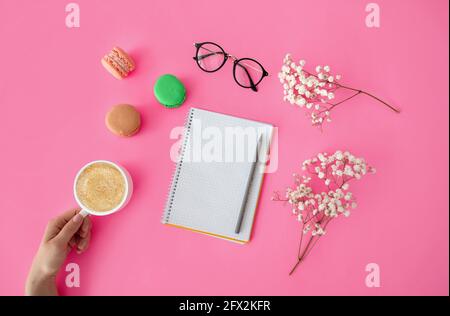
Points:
(118, 63)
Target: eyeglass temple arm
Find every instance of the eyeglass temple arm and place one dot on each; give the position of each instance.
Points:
(200, 57)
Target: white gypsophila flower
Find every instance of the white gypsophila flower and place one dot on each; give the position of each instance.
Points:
(306, 229)
(321, 157)
(313, 208)
(307, 84)
(339, 155)
(298, 82)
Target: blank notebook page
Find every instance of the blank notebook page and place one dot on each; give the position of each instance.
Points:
(206, 196)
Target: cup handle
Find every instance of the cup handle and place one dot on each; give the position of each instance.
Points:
(84, 213)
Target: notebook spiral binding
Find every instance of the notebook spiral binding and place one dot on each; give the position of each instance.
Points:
(178, 165)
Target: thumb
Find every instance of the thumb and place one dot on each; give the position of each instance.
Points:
(70, 228)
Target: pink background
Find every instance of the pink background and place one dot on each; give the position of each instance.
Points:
(54, 94)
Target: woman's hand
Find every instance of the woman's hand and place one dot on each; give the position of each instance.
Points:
(67, 231)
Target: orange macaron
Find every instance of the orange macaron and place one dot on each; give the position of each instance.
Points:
(118, 63)
(123, 120)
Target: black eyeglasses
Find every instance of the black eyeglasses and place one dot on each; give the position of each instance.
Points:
(247, 72)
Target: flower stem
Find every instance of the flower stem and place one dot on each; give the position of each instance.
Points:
(309, 247)
(369, 95)
(358, 92)
(295, 267)
(333, 105)
(301, 241)
(300, 257)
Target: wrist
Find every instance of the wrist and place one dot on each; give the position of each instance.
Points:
(41, 286)
(40, 283)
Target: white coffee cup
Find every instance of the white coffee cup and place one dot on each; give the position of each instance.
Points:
(126, 198)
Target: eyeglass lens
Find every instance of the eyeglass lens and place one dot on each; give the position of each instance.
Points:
(248, 73)
(210, 57)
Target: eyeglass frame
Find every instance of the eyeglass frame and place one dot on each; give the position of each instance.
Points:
(236, 62)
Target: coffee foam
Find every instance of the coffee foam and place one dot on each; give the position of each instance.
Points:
(100, 187)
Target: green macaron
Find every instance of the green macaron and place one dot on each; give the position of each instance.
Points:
(169, 91)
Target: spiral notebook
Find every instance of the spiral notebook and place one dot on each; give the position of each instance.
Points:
(210, 178)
